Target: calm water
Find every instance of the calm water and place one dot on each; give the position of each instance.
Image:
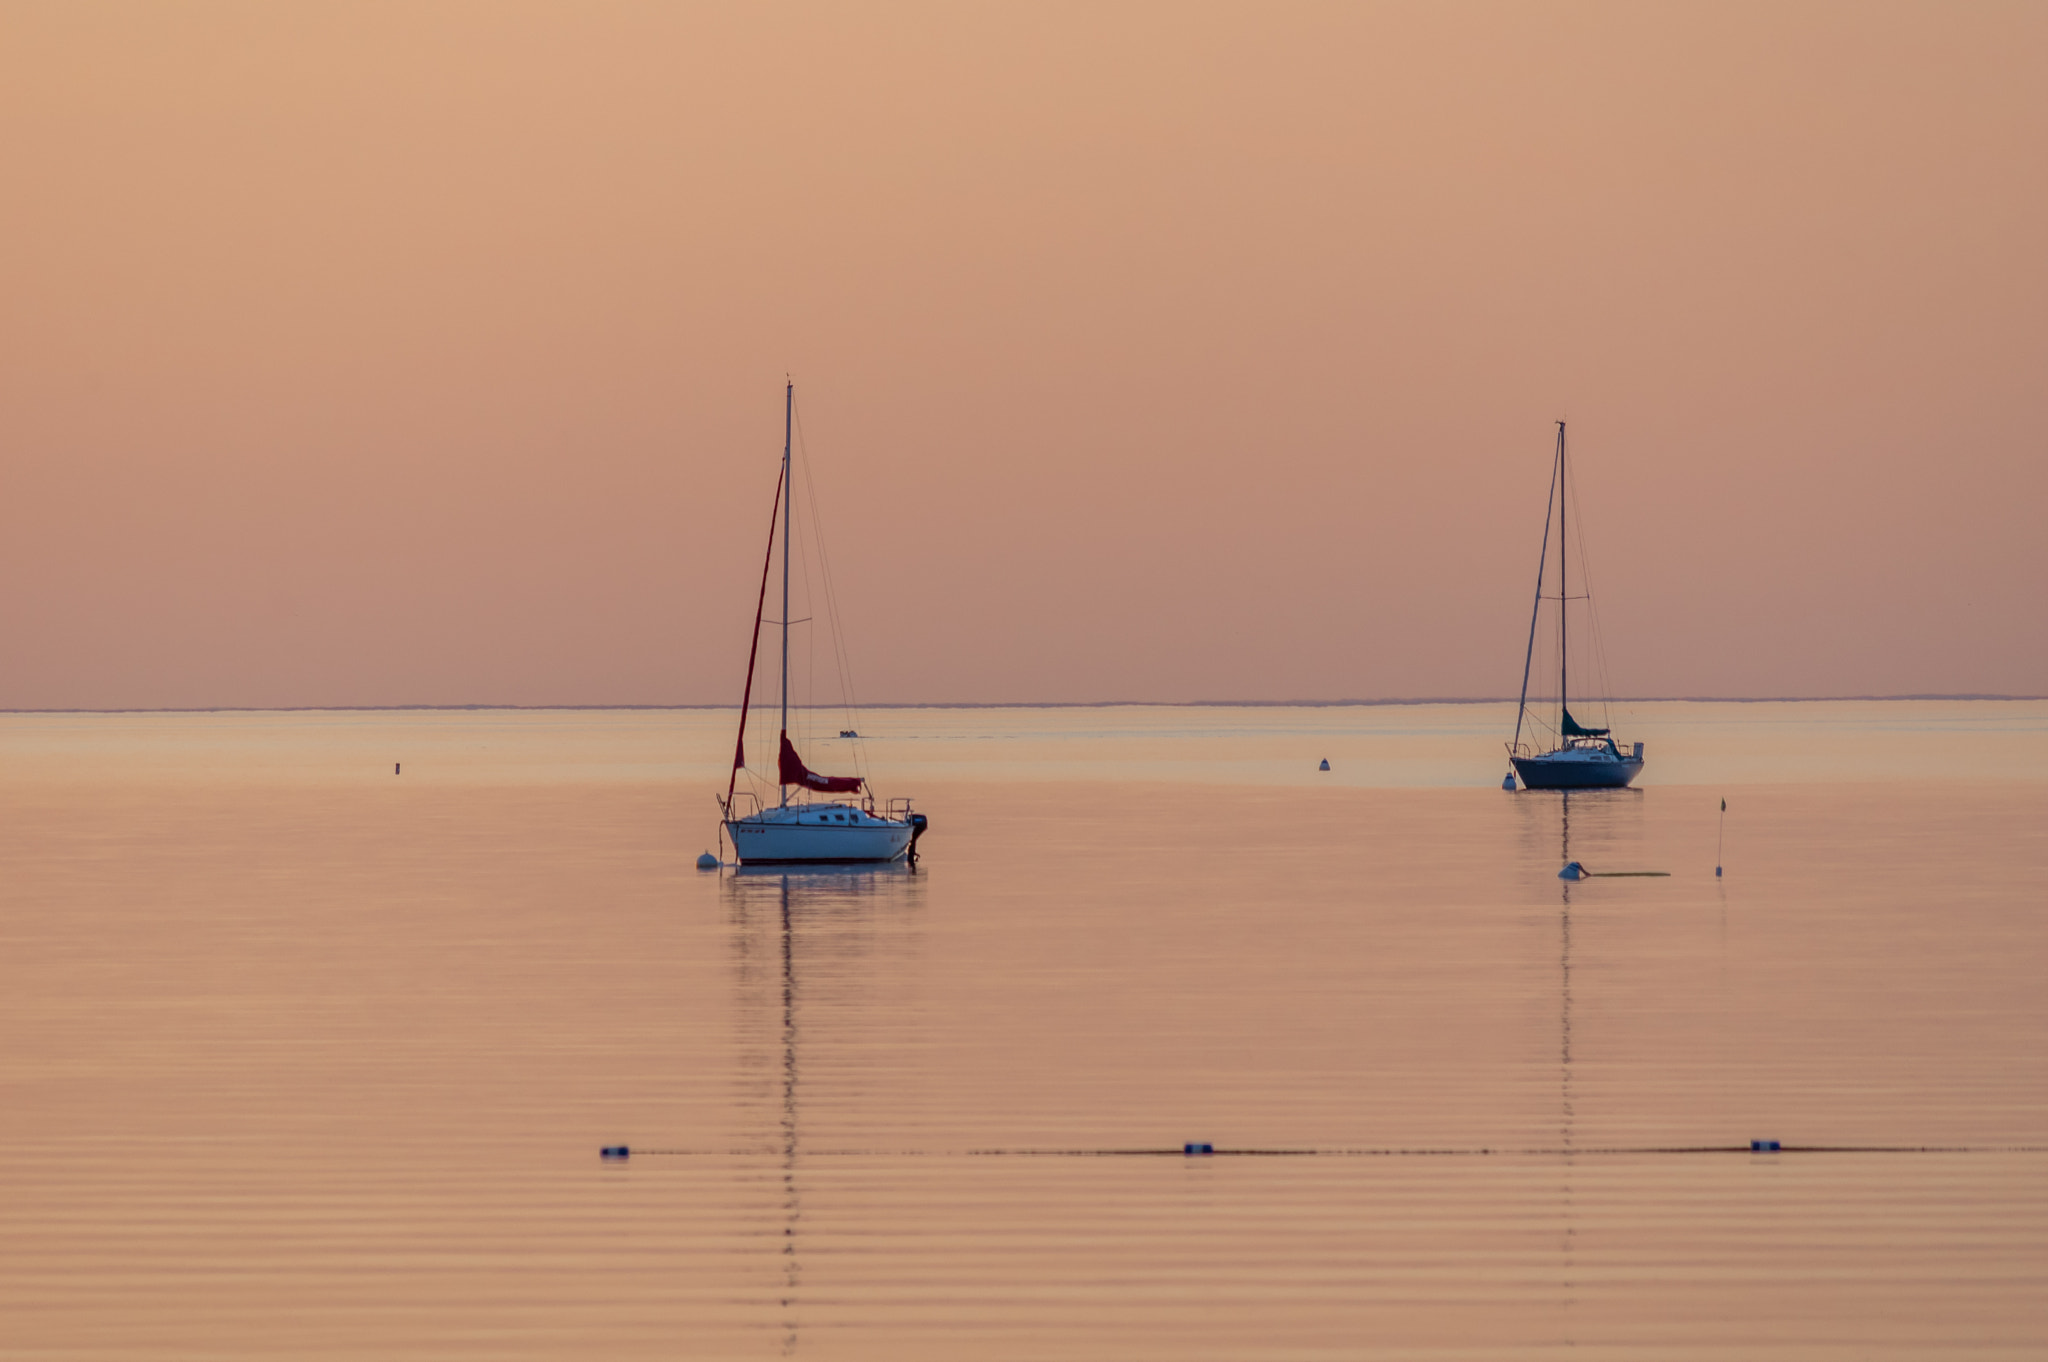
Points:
(302, 1058)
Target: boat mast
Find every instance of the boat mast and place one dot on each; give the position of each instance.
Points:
(788, 416)
(1535, 609)
(1563, 588)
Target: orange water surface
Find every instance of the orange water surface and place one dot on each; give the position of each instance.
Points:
(302, 1057)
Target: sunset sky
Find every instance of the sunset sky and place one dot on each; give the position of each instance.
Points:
(394, 353)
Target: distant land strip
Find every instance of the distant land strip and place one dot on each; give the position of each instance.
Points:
(1024, 704)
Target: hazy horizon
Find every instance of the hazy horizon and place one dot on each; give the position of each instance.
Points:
(364, 356)
(826, 707)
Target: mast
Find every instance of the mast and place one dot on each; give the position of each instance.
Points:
(1535, 609)
(1563, 588)
(788, 417)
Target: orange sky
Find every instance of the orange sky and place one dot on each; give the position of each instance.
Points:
(379, 354)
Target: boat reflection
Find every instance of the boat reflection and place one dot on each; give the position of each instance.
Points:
(798, 936)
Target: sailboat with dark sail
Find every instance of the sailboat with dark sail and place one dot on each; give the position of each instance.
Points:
(804, 830)
(1578, 756)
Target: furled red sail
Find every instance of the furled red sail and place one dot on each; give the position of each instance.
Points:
(794, 772)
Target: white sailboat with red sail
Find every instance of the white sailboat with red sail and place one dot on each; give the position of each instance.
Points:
(800, 827)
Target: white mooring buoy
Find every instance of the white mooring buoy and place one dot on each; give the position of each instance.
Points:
(707, 862)
(1572, 871)
(1325, 766)
(1508, 781)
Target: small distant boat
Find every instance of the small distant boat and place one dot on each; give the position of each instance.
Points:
(1580, 757)
(806, 831)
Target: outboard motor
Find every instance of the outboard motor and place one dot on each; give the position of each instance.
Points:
(918, 824)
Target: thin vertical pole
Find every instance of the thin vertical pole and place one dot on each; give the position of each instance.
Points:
(1535, 609)
(1563, 587)
(788, 420)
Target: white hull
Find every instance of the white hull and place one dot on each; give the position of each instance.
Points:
(817, 834)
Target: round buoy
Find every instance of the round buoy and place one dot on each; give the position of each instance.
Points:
(707, 862)
(1325, 766)
(1508, 781)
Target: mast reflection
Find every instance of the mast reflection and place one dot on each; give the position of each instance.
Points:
(817, 917)
(1568, 1242)
(1564, 964)
(1607, 821)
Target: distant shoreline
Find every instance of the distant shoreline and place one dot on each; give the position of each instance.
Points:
(1023, 704)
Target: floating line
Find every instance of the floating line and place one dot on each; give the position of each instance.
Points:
(1225, 1152)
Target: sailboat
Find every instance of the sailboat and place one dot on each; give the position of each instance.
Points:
(1581, 757)
(806, 829)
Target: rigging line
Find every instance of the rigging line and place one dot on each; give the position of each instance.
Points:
(746, 697)
(811, 641)
(1542, 558)
(817, 532)
(813, 538)
(807, 539)
(1593, 617)
(800, 685)
(841, 655)
(810, 595)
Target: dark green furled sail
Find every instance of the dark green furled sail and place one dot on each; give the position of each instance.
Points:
(1574, 729)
